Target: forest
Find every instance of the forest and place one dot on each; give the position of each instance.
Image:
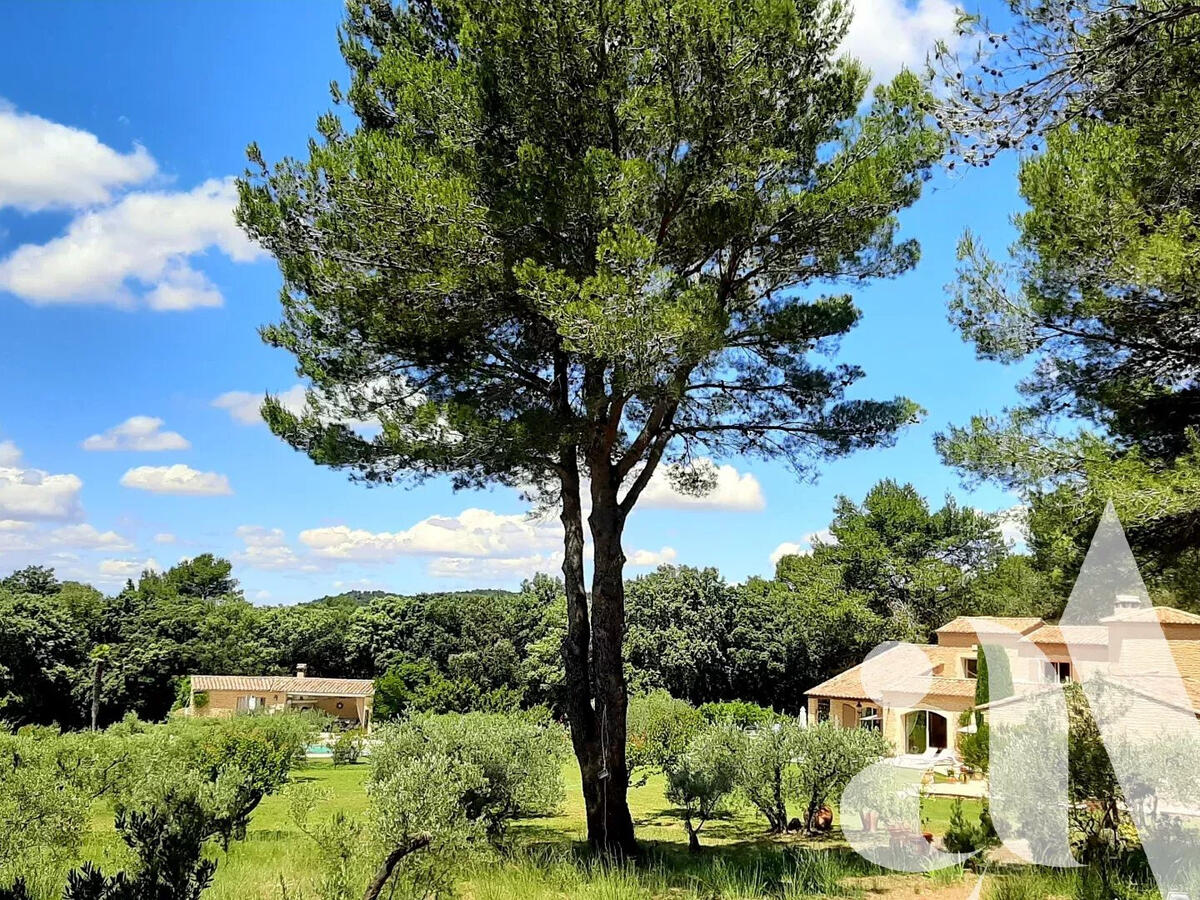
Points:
(895, 569)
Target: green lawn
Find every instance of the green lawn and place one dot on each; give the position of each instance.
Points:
(276, 853)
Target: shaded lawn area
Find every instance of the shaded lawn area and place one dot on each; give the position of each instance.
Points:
(278, 860)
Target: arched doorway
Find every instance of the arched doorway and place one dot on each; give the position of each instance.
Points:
(925, 730)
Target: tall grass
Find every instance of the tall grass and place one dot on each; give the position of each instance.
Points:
(1038, 883)
(736, 873)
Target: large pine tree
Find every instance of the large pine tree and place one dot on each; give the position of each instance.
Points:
(563, 243)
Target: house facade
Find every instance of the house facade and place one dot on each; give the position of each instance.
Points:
(348, 700)
(925, 721)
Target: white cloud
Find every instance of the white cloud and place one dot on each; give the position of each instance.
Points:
(10, 455)
(136, 250)
(651, 558)
(164, 537)
(14, 536)
(477, 569)
(243, 406)
(118, 569)
(473, 532)
(733, 490)
(183, 289)
(44, 164)
(889, 35)
(1014, 525)
(176, 479)
(788, 548)
(88, 537)
(137, 433)
(804, 546)
(360, 584)
(267, 548)
(34, 494)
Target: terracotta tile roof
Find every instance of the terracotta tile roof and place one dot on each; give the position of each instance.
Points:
(980, 624)
(1164, 615)
(1141, 685)
(1079, 634)
(1187, 658)
(848, 685)
(283, 684)
(1145, 661)
(1145, 686)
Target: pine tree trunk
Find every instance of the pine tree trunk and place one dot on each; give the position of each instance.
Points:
(97, 668)
(594, 667)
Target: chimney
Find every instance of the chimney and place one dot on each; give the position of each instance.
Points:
(301, 670)
(1127, 602)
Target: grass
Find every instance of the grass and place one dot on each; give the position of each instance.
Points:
(274, 852)
(548, 859)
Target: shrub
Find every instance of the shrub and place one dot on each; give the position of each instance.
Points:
(348, 747)
(518, 758)
(249, 757)
(738, 712)
(974, 746)
(342, 842)
(234, 762)
(47, 783)
(962, 836)
(701, 777)
(168, 839)
(440, 784)
(828, 756)
(658, 729)
(767, 772)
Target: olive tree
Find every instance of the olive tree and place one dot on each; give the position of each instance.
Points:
(659, 730)
(828, 756)
(767, 771)
(703, 776)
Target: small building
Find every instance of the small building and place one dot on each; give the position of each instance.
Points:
(348, 700)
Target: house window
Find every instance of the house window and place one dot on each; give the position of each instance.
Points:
(1056, 672)
(971, 666)
(822, 710)
(870, 718)
(916, 732)
(251, 703)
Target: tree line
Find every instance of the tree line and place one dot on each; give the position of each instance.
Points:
(893, 568)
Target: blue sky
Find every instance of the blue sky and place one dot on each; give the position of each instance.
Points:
(128, 296)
